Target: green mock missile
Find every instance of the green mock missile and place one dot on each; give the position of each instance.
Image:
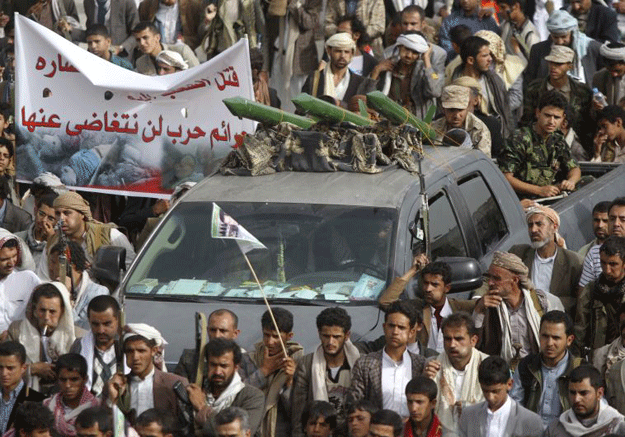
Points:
(318, 108)
(245, 108)
(429, 116)
(397, 114)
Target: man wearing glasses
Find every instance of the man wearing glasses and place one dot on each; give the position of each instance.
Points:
(41, 229)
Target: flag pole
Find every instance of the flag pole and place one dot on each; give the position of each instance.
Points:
(273, 319)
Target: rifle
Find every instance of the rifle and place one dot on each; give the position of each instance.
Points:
(65, 268)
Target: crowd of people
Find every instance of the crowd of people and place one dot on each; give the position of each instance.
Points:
(537, 350)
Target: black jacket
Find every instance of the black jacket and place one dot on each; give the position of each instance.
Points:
(26, 394)
(601, 24)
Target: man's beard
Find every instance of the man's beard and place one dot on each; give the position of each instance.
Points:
(334, 354)
(586, 415)
(221, 384)
(539, 244)
(340, 64)
(102, 342)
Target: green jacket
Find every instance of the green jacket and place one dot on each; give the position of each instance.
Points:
(534, 160)
(579, 103)
(530, 373)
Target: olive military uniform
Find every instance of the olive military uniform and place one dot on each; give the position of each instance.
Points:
(577, 94)
(534, 160)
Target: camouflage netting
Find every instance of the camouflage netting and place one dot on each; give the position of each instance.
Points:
(325, 147)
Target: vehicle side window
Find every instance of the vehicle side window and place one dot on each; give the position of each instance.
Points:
(445, 236)
(487, 217)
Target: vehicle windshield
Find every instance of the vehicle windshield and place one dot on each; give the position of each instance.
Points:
(314, 253)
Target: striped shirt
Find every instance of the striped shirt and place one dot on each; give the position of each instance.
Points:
(592, 266)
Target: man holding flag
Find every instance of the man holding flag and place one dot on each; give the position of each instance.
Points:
(225, 227)
(276, 356)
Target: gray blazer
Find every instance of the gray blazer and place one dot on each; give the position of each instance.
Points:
(521, 422)
(123, 18)
(367, 377)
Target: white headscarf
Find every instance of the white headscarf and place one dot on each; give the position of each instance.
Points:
(150, 333)
(561, 21)
(613, 51)
(25, 259)
(59, 342)
(341, 40)
(173, 59)
(414, 42)
(144, 330)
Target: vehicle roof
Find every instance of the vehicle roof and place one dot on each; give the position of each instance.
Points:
(386, 189)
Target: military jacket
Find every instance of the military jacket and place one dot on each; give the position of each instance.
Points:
(580, 99)
(534, 160)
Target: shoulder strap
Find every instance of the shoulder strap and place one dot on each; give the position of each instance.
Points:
(536, 302)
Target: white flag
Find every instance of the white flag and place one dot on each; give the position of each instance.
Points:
(224, 226)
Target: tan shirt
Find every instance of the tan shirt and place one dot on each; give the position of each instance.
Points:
(479, 133)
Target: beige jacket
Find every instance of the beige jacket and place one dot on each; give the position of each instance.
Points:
(479, 133)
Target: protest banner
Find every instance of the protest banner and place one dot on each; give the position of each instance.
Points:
(100, 127)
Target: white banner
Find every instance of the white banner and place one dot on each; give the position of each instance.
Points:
(114, 130)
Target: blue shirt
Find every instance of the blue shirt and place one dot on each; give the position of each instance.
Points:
(549, 407)
(471, 21)
(7, 406)
(121, 62)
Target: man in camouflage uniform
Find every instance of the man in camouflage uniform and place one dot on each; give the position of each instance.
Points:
(455, 102)
(578, 94)
(537, 161)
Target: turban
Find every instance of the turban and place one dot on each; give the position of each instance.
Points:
(414, 42)
(49, 180)
(510, 261)
(551, 215)
(546, 211)
(149, 333)
(145, 331)
(5, 237)
(613, 51)
(173, 59)
(513, 263)
(73, 200)
(341, 40)
(495, 44)
(508, 67)
(180, 190)
(561, 21)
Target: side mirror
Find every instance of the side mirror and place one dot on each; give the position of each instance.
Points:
(108, 263)
(466, 273)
